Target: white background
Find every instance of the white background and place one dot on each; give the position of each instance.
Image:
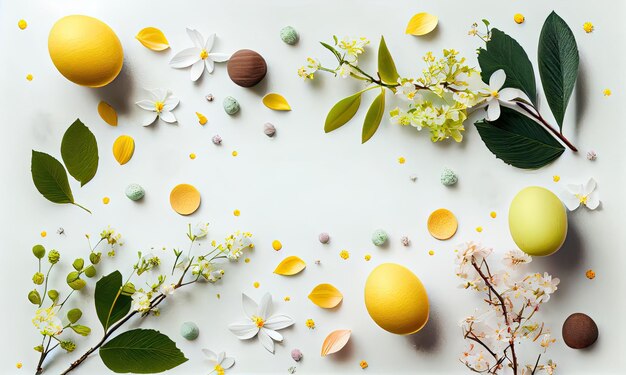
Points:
(303, 182)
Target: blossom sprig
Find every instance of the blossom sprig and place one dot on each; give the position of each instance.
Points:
(509, 318)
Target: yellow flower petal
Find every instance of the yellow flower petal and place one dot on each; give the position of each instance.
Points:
(201, 118)
(107, 113)
(335, 341)
(185, 199)
(276, 102)
(290, 266)
(123, 149)
(153, 38)
(326, 296)
(422, 24)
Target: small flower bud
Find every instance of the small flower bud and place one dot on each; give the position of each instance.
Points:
(68, 346)
(54, 257)
(38, 278)
(39, 251)
(90, 271)
(94, 258)
(78, 264)
(128, 289)
(74, 281)
(38, 348)
(74, 315)
(53, 295)
(34, 297)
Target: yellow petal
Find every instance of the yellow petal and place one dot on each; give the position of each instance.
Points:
(201, 118)
(335, 341)
(123, 148)
(185, 199)
(290, 266)
(422, 24)
(153, 38)
(276, 102)
(107, 113)
(326, 296)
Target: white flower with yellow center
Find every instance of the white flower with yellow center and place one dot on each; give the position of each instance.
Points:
(141, 301)
(47, 322)
(497, 95)
(199, 56)
(160, 105)
(582, 195)
(353, 47)
(260, 322)
(220, 361)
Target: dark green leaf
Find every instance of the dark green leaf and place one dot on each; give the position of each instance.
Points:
(386, 66)
(141, 351)
(331, 49)
(373, 117)
(558, 64)
(80, 152)
(519, 141)
(342, 112)
(111, 304)
(503, 52)
(50, 178)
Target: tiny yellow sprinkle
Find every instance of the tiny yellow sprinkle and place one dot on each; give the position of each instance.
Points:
(19, 364)
(22, 24)
(236, 212)
(192, 156)
(29, 77)
(106, 200)
(367, 257)
(363, 364)
(556, 178)
(256, 284)
(43, 233)
(493, 214)
(401, 160)
(588, 27)
(519, 18)
(287, 299)
(344, 254)
(234, 153)
(479, 229)
(590, 274)
(310, 324)
(431, 252)
(277, 245)
(247, 260)
(606, 92)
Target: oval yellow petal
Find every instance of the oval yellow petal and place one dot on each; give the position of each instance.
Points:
(335, 341)
(290, 266)
(107, 113)
(422, 24)
(123, 148)
(153, 38)
(276, 102)
(201, 118)
(326, 296)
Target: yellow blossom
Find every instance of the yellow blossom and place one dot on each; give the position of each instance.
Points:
(310, 324)
(367, 257)
(344, 254)
(588, 27)
(519, 18)
(606, 92)
(363, 364)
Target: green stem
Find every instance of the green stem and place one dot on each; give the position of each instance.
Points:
(76, 204)
(45, 288)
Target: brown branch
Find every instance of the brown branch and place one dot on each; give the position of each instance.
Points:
(539, 118)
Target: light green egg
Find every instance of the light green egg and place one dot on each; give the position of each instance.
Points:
(537, 221)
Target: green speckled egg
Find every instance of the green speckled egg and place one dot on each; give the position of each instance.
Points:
(289, 35)
(231, 105)
(135, 192)
(379, 237)
(189, 330)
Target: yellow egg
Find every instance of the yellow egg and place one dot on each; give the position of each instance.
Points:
(85, 50)
(396, 299)
(537, 221)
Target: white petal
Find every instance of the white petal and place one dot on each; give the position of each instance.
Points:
(170, 102)
(493, 110)
(220, 357)
(185, 58)
(210, 354)
(278, 322)
(273, 334)
(509, 94)
(593, 200)
(244, 330)
(209, 64)
(219, 57)
(575, 189)
(249, 306)
(209, 42)
(265, 307)
(146, 104)
(590, 186)
(196, 70)
(570, 201)
(196, 38)
(167, 116)
(228, 362)
(149, 118)
(159, 95)
(267, 341)
(497, 79)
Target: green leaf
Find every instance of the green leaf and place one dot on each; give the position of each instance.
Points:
(342, 112)
(331, 49)
(374, 117)
(558, 64)
(519, 141)
(74, 315)
(80, 152)
(81, 330)
(50, 178)
(111, 304)
(141, 351)
(503, 52)
(386, 67)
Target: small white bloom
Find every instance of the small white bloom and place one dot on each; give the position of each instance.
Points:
(260, 322)
(141, 301)
(497, 95)
(515, 258)
(47, 322)
(199, 56)
(345, 70)
(168, 289)
(200, 230)
(353, 47)
(160, 105)
(220, 361)
(585, 195)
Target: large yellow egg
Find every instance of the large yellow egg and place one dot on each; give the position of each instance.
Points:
(538, 221)
(85, 50)
(396, 299)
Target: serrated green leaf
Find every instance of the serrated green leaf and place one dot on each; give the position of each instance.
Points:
(519, 141)
(342, 112)
(79, 150)
(111, 304)
(558, 64)
(374, 117)
(50, 178)
(386, 66)
(141, 351)
(503, 52)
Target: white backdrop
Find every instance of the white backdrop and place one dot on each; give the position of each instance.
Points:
(302, 181)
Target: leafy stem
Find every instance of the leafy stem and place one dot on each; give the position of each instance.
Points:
(537, 116)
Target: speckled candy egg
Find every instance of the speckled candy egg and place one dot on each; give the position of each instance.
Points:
(537, 221)
(289, 35)
(189, 330)
(246, 68)
(231, 105)
(135, 192)
(579, 331)
(379, 237)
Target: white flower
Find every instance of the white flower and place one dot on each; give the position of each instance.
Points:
(202, 268)
(47, 322)
(585, 195)
(353, 47)
(200, 230)
(260, 322)
(141, 301)
(539, 288)
(308, 71)
(515, 258)
(220, 360)
(407, 90)
(199, 56)
(345, 70)
(497, 94)
(160, 105)
(168, 289)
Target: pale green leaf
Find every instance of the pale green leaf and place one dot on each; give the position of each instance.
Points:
(374, 117)
(342, 112)
(386, 66)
